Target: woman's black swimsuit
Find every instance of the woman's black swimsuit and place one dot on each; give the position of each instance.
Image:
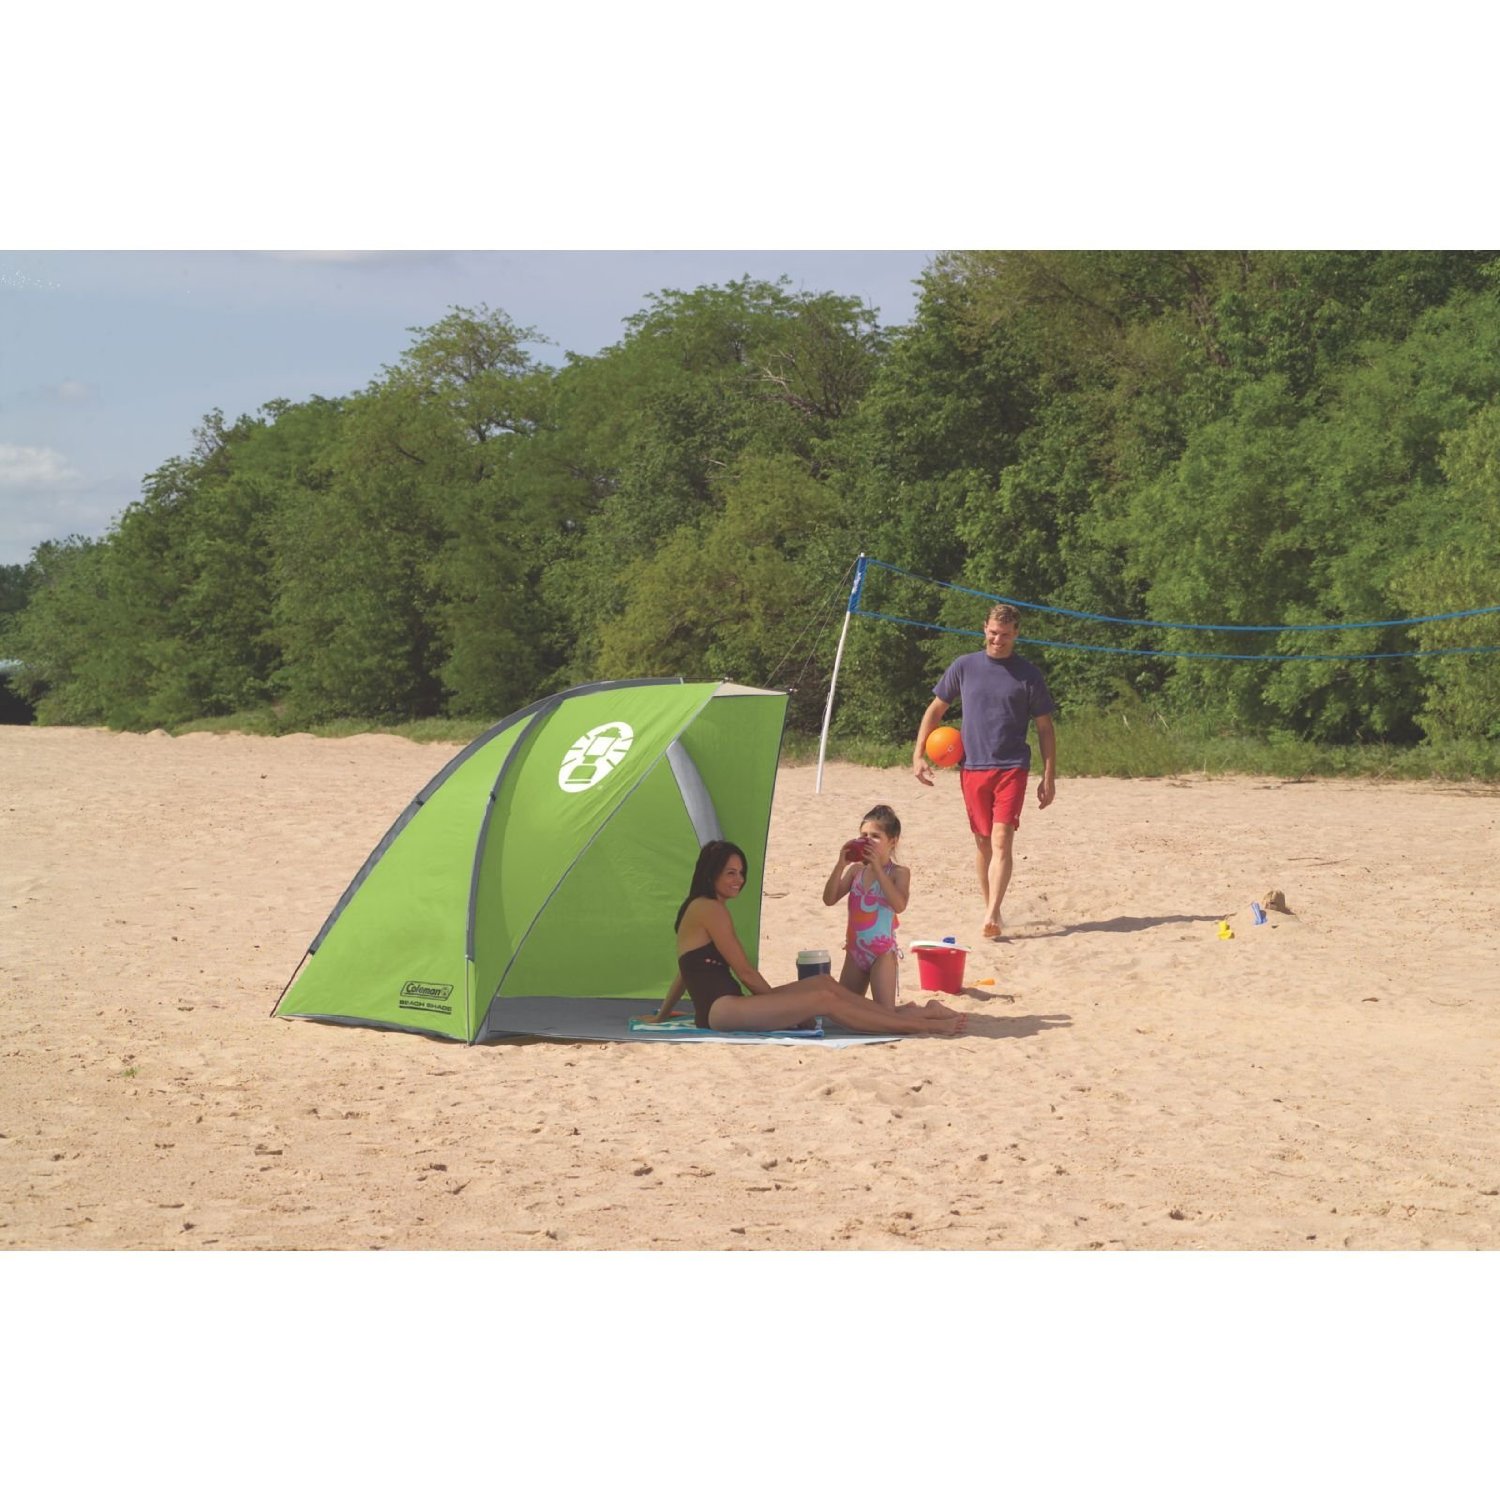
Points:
(707, 978)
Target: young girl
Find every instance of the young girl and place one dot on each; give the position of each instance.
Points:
(710, 958)
(877, 888)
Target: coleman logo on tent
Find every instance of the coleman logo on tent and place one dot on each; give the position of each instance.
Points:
(415, 989)
(592, 756)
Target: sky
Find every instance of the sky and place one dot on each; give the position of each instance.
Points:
(109, 359)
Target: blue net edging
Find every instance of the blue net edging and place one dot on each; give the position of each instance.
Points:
(1078, 614)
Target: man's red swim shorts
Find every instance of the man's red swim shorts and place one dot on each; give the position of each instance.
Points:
(994, 796)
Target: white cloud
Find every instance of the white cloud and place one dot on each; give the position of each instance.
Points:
(73, 390)
(35, 469)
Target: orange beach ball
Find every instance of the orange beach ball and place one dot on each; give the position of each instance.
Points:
(944, 746)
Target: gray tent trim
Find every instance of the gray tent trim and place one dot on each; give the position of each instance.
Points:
(695, 795)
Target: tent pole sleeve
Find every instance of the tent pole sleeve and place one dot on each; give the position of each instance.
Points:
(290, 982)
(838, 656)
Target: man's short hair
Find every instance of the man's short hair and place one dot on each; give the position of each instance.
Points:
(1003, 614)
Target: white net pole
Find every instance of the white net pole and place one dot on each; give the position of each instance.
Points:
(838, 656)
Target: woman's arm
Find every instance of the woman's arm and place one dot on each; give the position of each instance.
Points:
(720, 927)
(674, 994)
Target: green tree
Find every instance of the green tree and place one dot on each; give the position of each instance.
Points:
(652, 428)
(16, 583)
(733, 594)
(1458, 572)
(405, 586)
(214, 651)
(58, 635)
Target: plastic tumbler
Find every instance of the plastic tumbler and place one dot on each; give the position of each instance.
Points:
(812, 961)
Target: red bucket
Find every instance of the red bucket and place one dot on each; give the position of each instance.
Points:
(940, 966)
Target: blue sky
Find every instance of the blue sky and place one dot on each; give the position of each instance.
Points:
(109, 359)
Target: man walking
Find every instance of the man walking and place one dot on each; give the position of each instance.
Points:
(1001, 694)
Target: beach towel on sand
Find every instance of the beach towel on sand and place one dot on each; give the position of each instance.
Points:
(685, 1028)
(609, 1020)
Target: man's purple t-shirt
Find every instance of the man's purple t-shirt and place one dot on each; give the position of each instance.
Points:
(1000, 698)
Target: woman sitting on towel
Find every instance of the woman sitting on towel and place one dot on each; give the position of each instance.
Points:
(709, 957)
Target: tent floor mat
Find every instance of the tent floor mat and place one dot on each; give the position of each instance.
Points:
(609, 1021)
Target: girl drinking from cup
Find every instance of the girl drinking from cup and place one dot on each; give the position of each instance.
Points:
(877, 888)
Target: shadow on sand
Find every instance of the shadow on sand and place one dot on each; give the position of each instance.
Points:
(1114, 924)
(1013, 1026)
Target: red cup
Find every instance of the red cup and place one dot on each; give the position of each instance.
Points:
(854, 851)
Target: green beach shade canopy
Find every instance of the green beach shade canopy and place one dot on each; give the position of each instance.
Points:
(548, 860)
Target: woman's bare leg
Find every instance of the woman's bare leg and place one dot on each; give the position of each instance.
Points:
(860, 1014)
(788, 1004)
(933, 1008)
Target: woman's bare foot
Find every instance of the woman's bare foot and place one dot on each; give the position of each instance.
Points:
(914, 1012)
(992, 930)
(950, 1025)
(935, 1017)
(918, 1020)
(937, 1008)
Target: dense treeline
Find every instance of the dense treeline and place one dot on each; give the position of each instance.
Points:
(1206, 437)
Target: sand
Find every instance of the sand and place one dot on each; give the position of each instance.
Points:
(1130, 1080)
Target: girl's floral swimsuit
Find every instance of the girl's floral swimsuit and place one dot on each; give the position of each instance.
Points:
(872, 924)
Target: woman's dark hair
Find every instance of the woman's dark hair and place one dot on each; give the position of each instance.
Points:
(887, 819)
(712, 858)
